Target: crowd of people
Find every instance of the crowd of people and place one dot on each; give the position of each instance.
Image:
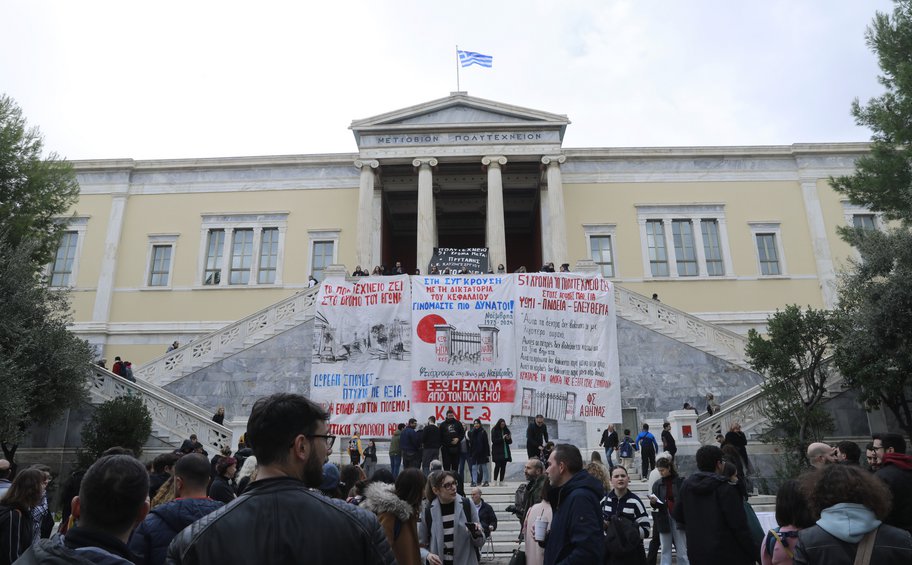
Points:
(288, 504)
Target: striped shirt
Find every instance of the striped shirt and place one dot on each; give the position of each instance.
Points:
(630, 506)
(448, 515)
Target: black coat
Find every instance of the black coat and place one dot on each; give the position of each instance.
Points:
(283, 522)
(609, 439)
(500, 447)
(536, 435)
(221, 490)
(450, 430)
(430, 437)
(816, 545)
(660, 514)
(479, 448)
(899, 480)
(712, 514)
(151, 538)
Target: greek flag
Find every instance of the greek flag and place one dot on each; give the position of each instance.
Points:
(469, 58)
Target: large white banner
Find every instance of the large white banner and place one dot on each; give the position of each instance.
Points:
(361, 354)
(566, 348)
(463, 339)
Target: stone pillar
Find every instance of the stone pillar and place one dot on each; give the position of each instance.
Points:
(104, 294)
(556, 208)
(427, 215)
(495, 233)
(684, 430)
(826, 272)
(366, 229)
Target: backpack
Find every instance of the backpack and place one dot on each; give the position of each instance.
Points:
(467, 512)
(626, 449)
(775, 535)
(622, 537)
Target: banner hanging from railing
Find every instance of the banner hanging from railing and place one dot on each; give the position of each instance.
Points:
(361, 354)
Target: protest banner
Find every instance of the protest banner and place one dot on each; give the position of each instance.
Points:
(464, 352)
(473, 260)
(566, 348)
(361, 354)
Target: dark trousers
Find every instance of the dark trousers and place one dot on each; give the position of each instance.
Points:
(534, 451)
(500, 469)
(450, 460)
(649, 461)
(411, 460)
(428, 455)
(653, 554)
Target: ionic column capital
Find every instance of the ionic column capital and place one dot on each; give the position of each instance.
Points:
(429, 161)
(496, 160)
(553, 159)
(372, 163)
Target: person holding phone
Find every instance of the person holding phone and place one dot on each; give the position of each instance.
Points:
(662, 499)
(449, 531)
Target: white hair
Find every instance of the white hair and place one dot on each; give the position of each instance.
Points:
(247, 469)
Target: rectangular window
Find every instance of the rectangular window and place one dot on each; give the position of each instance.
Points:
(269, 256)
(241, 256)
(62, 268)
(655, 242)
(768, 253)
(601, 253)
(160, 269)
(214, 245)
(864, 221)
(712, 248)
(322, 257)
(685, 251)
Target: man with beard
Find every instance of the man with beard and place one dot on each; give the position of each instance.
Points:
(279, 518)
(529, 493)
(452, 434)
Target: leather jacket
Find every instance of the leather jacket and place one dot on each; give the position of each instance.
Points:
(281, 521)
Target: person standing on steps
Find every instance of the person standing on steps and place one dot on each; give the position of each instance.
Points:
(610, 442)
(647, 445)
(536, 436)
(668, 440)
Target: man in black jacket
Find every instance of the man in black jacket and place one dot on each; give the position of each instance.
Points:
(452, 434)
(610, 442)
(536, 436)
(896, 471)
(279, 519)
(151, 539)
(430, 440)
(712, 513)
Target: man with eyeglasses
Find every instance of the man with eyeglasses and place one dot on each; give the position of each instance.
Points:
(280, 518)
(896, 471)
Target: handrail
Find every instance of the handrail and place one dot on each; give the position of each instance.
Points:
(170, 412)
(638, 308)
(209, 348)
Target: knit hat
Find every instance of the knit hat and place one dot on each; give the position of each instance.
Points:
(330, 477)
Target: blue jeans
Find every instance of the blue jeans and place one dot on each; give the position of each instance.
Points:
(395, 463)
(608, 452)
(482, 472)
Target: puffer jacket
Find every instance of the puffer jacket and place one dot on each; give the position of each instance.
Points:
(712, 514)
(282, 520)
(151, 538)
(834, 540)
(398, 520)
(576, 534)
(80, 547)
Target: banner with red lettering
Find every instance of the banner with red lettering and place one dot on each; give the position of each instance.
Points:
(361, 354)
(566, 348)
(464, 352)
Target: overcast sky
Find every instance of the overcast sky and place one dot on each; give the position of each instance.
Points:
(166, 79)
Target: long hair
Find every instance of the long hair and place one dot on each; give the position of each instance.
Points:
(600, 472)
(410, 487)
(25, 492)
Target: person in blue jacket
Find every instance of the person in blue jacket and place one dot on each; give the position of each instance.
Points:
(648, 446)
(576, 535)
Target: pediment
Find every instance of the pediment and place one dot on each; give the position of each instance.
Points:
(460, 109)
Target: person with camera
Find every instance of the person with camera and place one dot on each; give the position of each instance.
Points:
(450, 530)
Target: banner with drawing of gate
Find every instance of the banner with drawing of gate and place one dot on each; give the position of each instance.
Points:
(566, 347)
(463, 347)
(362, 354)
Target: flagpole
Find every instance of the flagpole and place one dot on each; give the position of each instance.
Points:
(457, 68)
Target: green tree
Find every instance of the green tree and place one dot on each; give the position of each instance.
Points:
(875, 354)
(793, 358)
(35, 190)
(43, 366)
(124, 421)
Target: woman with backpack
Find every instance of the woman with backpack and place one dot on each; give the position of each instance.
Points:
(449, 512)
(398, 508)
(16, 507)
(626, 518)
(664, 493)
(792, 515)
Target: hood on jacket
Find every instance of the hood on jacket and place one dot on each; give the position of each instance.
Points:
(901, 460)
(704, 483)
(181, 512)
(848, 521)
(52, 552)
(580, 481)
(380, 498)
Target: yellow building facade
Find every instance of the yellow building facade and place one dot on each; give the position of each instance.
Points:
(168, 250)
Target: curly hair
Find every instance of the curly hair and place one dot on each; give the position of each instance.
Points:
(600, 472)
(846, 483)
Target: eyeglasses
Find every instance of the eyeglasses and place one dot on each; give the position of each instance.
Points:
(451, 484)
(330, 439)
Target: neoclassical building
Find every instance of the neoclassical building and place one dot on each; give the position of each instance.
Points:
(167, 250)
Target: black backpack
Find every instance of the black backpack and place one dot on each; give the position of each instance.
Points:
(467, 512)
(622, 539)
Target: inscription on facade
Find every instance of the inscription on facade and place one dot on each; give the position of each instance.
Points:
(479, 137)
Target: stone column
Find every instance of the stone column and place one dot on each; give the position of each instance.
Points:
(556, 208)
(366, 229)
(427, 215)
(826, 272)
(495, 233)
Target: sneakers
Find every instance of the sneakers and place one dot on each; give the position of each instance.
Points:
(474, 485)
(486, 484)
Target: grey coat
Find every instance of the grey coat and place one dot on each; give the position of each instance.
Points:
(432, 542)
